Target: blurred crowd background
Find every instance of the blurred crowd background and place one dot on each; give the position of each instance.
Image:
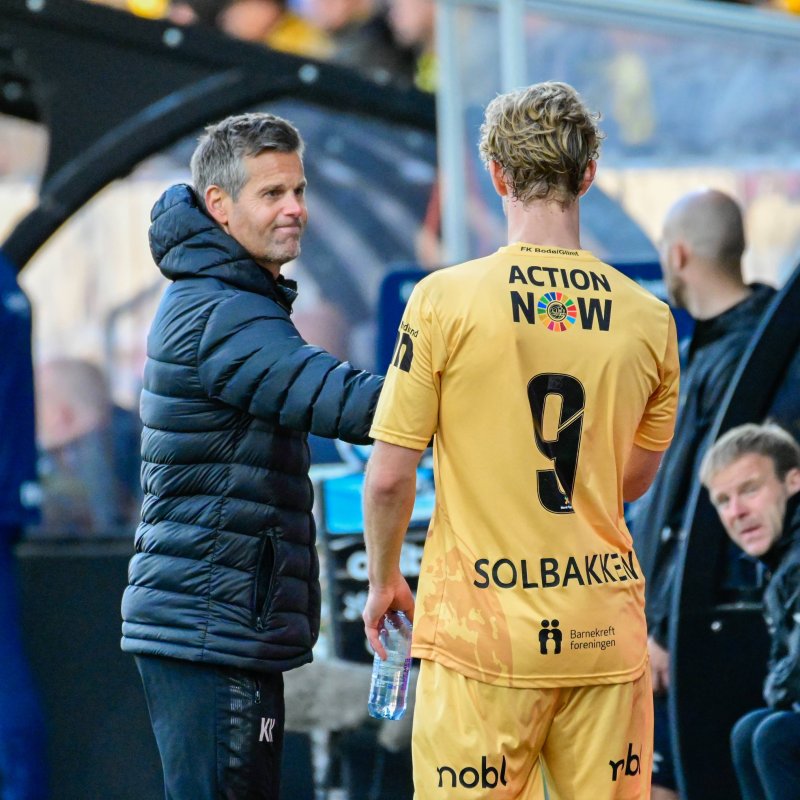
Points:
(686, 102)
(671, 125)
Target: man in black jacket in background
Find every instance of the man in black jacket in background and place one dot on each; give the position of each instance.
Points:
(752, 474)
(223, 593)
(701, 258)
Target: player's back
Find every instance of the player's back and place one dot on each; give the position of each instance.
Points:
(550, 366)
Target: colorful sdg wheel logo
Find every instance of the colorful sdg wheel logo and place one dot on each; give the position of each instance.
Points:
(556, 311)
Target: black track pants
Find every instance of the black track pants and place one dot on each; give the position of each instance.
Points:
(219, 730)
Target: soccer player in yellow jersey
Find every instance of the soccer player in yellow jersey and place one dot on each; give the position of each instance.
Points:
(548, 381)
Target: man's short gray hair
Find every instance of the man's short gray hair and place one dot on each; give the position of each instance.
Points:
(219, 157)
(768, 440)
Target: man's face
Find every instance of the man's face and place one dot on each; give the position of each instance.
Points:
(269, 215)
(751, 501)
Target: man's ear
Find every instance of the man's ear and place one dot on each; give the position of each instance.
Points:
(498, 176)
(680, 255)
(792, 481)
(588, 177)
(217, 204)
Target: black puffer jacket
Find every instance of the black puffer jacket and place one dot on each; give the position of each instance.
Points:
(708, 364)
(782, 612)
(225, 570)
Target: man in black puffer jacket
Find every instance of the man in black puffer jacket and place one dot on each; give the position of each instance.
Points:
(753, 478)
(223, 593)
(701, 252)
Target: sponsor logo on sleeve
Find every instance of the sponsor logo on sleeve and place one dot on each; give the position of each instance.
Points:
(404, 348)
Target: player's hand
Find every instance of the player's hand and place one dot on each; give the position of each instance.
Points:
(659, 666)
(396, 596)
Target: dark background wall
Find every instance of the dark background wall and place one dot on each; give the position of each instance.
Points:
(100, 742)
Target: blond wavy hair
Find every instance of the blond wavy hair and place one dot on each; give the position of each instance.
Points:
(543, 137)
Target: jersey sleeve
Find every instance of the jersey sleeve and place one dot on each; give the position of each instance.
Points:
(408, 408)
(658, 421)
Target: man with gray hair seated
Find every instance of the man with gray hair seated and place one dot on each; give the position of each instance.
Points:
(752, 474)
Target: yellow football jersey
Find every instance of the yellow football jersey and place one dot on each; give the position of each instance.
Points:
(536, 369)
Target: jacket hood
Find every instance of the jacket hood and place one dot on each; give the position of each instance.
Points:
(187, 243)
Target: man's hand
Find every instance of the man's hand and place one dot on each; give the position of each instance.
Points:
(395, 597)
(659, 666)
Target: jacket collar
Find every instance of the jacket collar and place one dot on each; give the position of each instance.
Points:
(739, 317)
(790, 536)
(187, 243)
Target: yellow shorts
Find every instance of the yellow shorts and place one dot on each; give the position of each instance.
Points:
(475, 740)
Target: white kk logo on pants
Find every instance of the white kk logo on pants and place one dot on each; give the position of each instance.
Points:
(267, 724)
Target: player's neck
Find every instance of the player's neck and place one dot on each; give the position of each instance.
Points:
(543, 223)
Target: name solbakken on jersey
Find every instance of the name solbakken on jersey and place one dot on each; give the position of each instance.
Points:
(549, 573)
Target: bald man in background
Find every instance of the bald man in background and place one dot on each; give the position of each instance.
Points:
(701, 258)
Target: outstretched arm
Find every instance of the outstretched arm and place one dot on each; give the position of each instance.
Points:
(251, 356)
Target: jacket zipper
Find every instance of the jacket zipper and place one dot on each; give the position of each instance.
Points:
(261, 612)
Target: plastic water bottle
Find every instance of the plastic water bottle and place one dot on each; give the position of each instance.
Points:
(387, 693)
